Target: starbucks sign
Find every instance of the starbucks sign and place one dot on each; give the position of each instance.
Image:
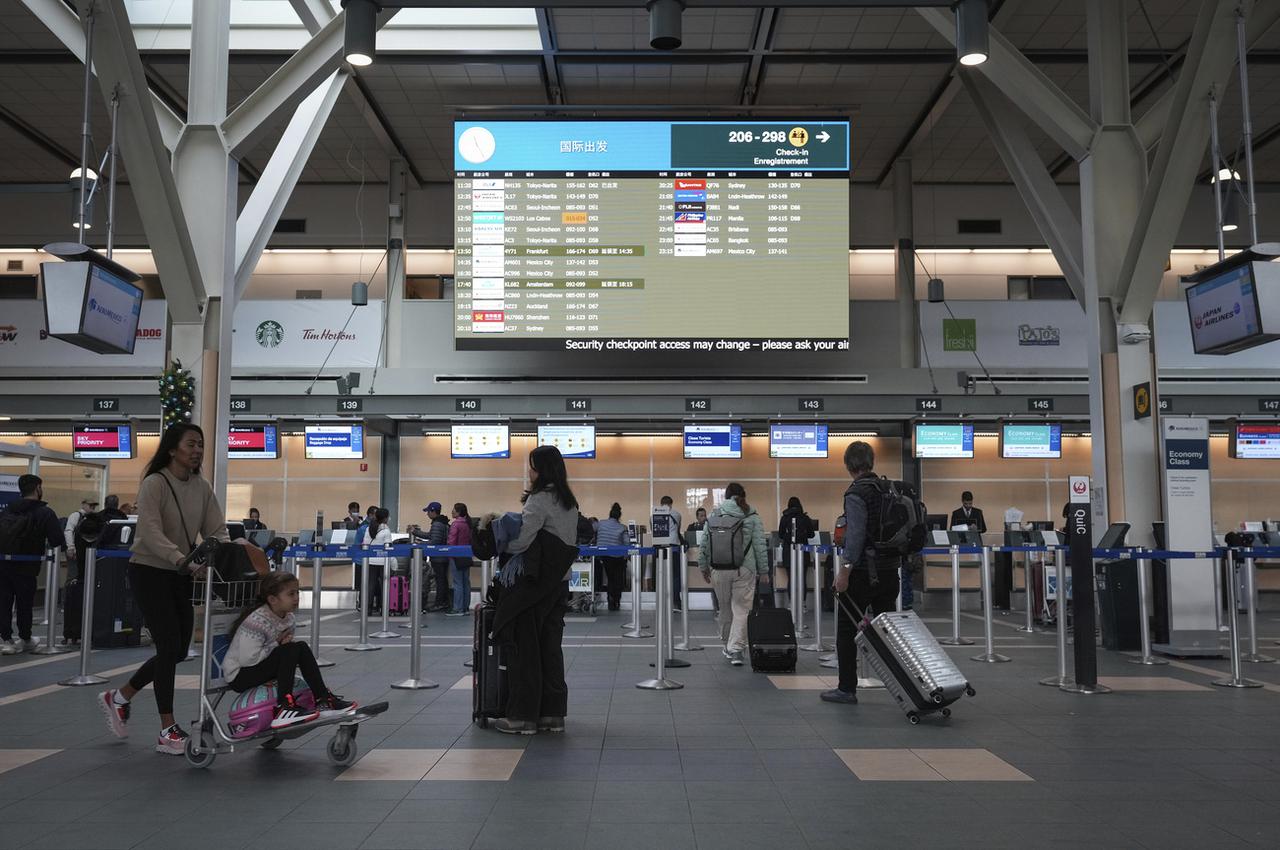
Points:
(270, 334)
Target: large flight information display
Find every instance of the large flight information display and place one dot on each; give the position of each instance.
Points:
(652, 235)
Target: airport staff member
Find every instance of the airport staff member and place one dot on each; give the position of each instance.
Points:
(254, 521)
(968, 515)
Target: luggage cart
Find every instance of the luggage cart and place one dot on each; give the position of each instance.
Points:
(582, 589)
(223, 598)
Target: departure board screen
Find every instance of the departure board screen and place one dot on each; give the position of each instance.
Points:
(652, 235)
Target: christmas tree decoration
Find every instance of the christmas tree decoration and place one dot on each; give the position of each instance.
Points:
(177, 394)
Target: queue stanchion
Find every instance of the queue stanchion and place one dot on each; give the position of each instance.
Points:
(363, 644)
(1144, 613)
(51, 645)
(635, 630)
(315, 613)
(1237, 679)
(831, 661)
(955, 639)
(385, 632)
(291, 566)
(818, 644)
(415, 682)
(795, 585)
(663, 561)
(1027, 579)
(1062, 679)
(662, 626)
(1251, 588)
(990, 656)
(687, 643)
(86, 624)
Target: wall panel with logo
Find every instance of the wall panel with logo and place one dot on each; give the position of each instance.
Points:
(301, 334)
(23, 344)
(1005, 334)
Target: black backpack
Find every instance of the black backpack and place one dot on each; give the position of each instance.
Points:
(20, 534)
(899, 526)
(90, 530)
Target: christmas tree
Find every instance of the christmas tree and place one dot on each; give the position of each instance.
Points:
(177, 394)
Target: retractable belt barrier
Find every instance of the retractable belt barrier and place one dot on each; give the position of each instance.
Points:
(88, 584)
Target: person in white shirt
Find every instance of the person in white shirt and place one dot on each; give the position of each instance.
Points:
(87, 506)
(377, 534)
(666, 505)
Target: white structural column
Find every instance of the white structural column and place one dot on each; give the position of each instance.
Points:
(1129, 211)
(207, 177)
(904, 273)
(397, 213)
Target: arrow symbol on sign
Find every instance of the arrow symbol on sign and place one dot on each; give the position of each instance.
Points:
(823, 136)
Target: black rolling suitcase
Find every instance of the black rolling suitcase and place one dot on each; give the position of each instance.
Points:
(72, 609)
(488, 672)
(117, 619)
(771, 638)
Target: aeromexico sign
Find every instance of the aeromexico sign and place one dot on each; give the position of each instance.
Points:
(301, 334)
(1005, 334)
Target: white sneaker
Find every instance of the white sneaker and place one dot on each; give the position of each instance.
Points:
(9, 647)
(29, 646)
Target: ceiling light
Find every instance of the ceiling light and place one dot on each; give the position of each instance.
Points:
(971, 31)
(1225, 174)
(90, 174)
(1231, 215)
(664, 24)
(359, 36)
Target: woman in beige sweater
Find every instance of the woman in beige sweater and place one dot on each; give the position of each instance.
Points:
(176, 508)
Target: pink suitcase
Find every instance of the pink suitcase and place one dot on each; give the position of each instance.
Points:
(399, 596)
(250, 712)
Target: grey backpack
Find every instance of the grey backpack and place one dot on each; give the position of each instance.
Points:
(726, 541)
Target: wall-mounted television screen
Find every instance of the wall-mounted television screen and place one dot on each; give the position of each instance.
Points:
(935, 440)
(253, 442)
(334, 442)
(712, 441)
(480, 441)
(1254, 440)
(797, 440)
(573, 441)
(92, 304)
(102, 442)
(1226, 312)
(1030, 440)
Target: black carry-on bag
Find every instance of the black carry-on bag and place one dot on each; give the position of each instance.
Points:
(488, 672)
(900, 651)
(771, 640)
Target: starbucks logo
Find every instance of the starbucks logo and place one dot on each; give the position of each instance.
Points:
(270, 334)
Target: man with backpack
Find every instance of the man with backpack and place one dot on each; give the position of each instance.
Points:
(736, 554)
(880, 530)
(27, 527)
(666, 522)
(88, 505)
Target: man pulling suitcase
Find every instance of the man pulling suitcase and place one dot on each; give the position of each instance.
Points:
(865, 577)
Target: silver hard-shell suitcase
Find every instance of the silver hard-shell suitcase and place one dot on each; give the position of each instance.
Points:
(901, 651)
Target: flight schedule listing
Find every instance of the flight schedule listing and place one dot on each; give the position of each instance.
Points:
(652, 235)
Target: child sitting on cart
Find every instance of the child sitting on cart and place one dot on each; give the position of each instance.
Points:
(263, 650)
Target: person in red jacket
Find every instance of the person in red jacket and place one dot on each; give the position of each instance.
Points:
(460, 535)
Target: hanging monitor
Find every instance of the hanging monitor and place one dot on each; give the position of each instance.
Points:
(637, 236)
(712, 441)
(479, 441)
(943, 441)
(1253, 440)
(89, 300)
(803, 440)
(1031, 440)
(1235, 304)
(253, 442)
(102, 442)
(573, 441)
(334, 442)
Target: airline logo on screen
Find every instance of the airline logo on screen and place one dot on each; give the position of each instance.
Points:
(95, 307)
(1215, 315)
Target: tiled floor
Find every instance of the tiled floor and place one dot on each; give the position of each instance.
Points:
(733, 760)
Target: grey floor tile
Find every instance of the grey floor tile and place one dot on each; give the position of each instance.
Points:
(748, 836)
(446, 835)
(537, 836)
(669, 836)
(640, 811)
